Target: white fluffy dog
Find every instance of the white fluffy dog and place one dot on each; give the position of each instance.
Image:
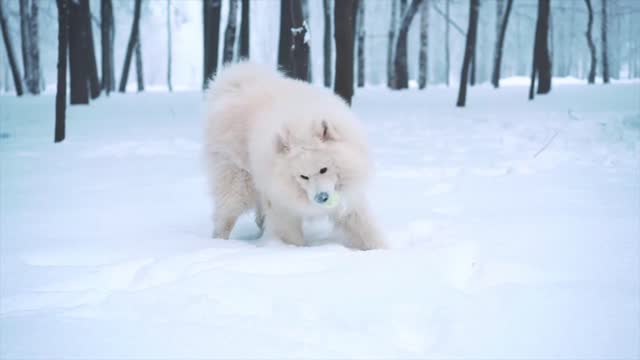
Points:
(289, 150)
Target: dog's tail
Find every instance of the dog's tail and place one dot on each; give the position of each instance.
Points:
(234, 78)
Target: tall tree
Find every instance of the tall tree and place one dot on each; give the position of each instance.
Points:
(61, 93)
(244, 30)
(391, 42)
(501, 28)
(211, 19)
(472, 32)
(133, 41)
(230, 32)
(592, 47)
(106, 36)
(307, 21)
(326, 4)
(139, 69)
(284, 40)
(401, 67)
(94, 82)
(423, 57)
(361, 43)
(474, 57)
(541, 60)
(344, 13)
(6, 36)
(299, 48)
(447, 59)
(603, 37)
(169, 51)
(30, 48)
(78, 54)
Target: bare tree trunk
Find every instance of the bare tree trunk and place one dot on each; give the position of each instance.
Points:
(299, 49)
(501, 28)
(361, 43)
(307, 20)
(133, 40)
(244, 30)
(423, 57)
(94, 82)
(78, 55)
(211, 21)
(592, 47)
(106, 36)
(603, 36)
(139, 69)
(474, 58)
(230, 33)
(25, 37)
(6, 36)
(468, 51)
(327, 42)
(344, 18)
(391, 43)
(284, 41)
(447, 62)
(400, 61)
(38, 83)
(61, 93)
(30, 48)
(169, 50)
(541, 61)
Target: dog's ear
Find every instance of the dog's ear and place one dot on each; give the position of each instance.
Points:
(282, 142)
(327, 132)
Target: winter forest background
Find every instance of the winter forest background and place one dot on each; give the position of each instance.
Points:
(511, 211)
(378, 23)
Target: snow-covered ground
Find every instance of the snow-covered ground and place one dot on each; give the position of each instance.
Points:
(514, 225)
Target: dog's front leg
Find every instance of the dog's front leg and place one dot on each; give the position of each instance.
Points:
(358, 225)
(282, 224)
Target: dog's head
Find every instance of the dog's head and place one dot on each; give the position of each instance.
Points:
(322, 163)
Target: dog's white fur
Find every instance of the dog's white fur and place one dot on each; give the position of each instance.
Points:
(263, 131)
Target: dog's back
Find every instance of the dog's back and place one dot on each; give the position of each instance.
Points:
(234, 97)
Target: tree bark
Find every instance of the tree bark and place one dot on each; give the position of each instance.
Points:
(327, 42)
(6, 36)
(401, 68)
(230, 32)
(94, 82)
(139, 69)
(391, 42)
(541, 61)
(468, 51)
(447, 59)
(344, 13)
(30, 48)
(501, 28)
(169, 50)
(106, 37)
(299, 48)
(61, 93)
(284, 41)
(592, 47)
(361, 43)
(211, 19)
(423, 57)
(78, 55)
(244, 30)
(603, 36)
(133, 40)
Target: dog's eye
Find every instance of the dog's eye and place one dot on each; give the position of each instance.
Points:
(304, 177)
(323, 170)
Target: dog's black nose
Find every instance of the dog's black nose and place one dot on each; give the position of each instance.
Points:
(321, 197)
